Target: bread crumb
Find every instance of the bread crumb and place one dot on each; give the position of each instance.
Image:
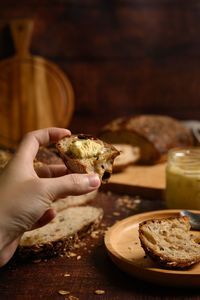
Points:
(73, 298)
(128, 202)
(72, 254)
(137, 201)
(36, 261)
(94, 234)
(99, 292)
(116, 213)
(63, 292)
(109, 193)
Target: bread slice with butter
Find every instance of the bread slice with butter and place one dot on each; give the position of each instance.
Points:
(60, 235)
(87, 154)
(169, 242)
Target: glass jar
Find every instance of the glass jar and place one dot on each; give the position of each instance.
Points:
(183, 179)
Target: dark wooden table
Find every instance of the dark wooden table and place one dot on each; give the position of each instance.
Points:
(91, 269)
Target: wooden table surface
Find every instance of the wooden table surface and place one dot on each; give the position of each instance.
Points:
(91, 269)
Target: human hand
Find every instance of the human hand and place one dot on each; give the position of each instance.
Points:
(26, 196)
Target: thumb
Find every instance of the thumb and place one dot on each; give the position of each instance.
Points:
(72, 184)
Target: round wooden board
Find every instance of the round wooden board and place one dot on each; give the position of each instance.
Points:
(123, 246)
(35, 94)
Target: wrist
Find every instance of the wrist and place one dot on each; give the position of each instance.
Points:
(8, 250)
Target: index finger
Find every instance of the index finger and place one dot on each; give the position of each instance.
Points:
(31, 142)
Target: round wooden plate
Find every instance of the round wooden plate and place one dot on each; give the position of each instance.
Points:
(123, 246)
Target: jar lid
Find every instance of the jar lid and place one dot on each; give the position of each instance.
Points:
(187, 159)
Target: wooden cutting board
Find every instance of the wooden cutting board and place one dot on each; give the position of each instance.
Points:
(34, 93)
(147, 181)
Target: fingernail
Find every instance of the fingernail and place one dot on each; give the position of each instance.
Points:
(93, 180)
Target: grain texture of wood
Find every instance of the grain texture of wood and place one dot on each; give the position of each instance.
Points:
(93, 271)
(147, 181)
(34, 93)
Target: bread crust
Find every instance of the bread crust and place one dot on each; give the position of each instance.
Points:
(102, 165)
(160, 133)
(162, 259)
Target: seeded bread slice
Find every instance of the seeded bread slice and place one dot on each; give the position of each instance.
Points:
(70, 201)
(95, 158)
(61, 233)
(169, 242)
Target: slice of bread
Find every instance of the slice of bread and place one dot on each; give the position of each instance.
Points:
(169, 242)
(128, 155)
(70, 201)
(61, 233)
(86, 154)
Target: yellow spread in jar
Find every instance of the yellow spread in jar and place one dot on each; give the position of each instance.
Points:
(85, 148)
(183, 179)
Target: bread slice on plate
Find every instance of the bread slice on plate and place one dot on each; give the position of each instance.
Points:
(87, 154)
(153, 134)
(60, 235)
(70, 201)
(168, 241)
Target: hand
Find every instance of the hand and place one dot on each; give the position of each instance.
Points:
(25, 198)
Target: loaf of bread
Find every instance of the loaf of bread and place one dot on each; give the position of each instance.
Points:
(70, 201)
(153, 134)
(168, 242)
(86, 154)
(60, 235)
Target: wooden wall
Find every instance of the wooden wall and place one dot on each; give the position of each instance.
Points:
(123, 57)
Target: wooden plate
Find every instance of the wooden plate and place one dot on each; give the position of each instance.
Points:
(123, 246)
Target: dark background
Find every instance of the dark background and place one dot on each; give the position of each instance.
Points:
(122, 57)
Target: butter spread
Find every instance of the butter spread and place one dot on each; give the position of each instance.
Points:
(85, 148)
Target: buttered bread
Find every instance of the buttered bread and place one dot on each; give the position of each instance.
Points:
(87, 154)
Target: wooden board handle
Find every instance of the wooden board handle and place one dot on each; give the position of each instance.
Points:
(21, 31)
